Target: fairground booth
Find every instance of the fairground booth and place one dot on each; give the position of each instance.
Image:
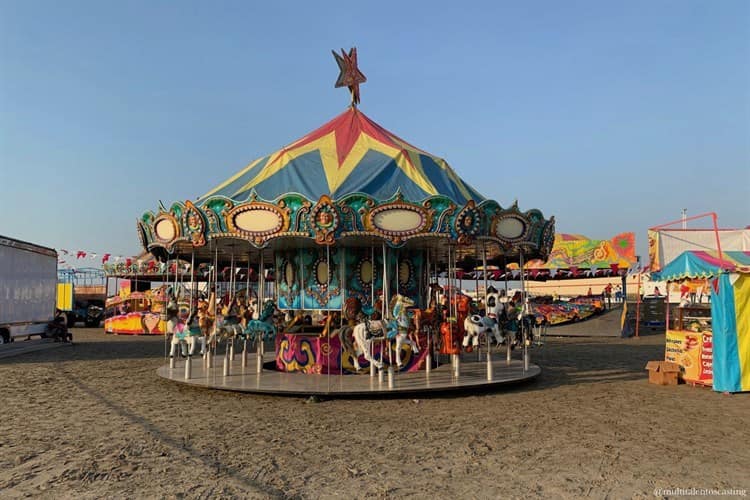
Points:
(711, 342)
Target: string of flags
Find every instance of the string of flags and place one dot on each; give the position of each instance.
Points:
(64, 257)
(514, 272)
(74, 260)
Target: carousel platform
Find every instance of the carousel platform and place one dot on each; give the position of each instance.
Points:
(473, 376)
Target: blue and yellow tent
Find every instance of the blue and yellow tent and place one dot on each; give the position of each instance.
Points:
(349, 154)
(730, 310)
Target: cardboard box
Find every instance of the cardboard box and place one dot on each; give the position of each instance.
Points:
(663, 372)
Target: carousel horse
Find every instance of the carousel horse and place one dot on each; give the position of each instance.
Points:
(262, 328)
(475, 325)
(452, 328)
(399, 327)
(428, 320)
(177, 328)
(229, 324)
(364, 334)
(185, 334)
(207, 318)
(352, 311)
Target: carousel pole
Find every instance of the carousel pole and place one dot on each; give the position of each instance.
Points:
(301, 282)
(259, 342)
(212, 352)
(453, 303)
(189, 362)
(193, 284)
(524, 311)
(188, 367)
(384, 305)
(176, 284)
(476, 294)
(508, 342)
(428, 357)
(385, 282)
(438, 307)
(247, 304)
(207, 348)
(484, 272)
(343, 302)
(328, 300)
(232, 286)
(164, 313)
(248, 283)
(372, 299)
(374, 273)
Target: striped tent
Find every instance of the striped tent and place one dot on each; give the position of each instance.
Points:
(730, 310)
(349, 154)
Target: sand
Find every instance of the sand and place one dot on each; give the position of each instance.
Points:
(95, 421)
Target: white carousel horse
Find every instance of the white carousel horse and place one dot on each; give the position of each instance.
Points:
(364, 334)
(475, 325)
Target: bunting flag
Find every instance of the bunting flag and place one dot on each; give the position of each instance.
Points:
(81, 254)
(105, 258)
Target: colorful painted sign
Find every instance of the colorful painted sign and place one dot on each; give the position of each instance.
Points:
(124, 290)
(313, 353)
(693, 351)
(136, 323)
(576, 251)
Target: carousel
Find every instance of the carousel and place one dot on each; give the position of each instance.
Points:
(347, 231)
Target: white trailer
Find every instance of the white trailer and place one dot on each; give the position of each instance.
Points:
(28, 286)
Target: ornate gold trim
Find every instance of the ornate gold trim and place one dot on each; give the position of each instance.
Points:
(258, 237)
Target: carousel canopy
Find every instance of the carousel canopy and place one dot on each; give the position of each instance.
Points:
(352, 184)
(349, 154)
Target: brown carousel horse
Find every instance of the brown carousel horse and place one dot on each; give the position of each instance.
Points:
(452, 331)
(427, 321)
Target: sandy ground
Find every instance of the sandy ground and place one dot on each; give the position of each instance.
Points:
(95, 421)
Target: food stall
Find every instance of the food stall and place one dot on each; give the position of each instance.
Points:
(711, 343)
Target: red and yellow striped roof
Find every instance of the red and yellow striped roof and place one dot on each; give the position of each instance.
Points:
(349, 154)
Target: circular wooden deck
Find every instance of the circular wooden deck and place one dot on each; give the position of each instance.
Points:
(473, 376)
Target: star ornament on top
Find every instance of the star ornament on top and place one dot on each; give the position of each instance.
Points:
(350, 75)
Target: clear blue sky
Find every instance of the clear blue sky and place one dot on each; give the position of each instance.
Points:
(612, 116)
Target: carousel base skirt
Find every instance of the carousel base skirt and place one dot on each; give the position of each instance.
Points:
(473, 376)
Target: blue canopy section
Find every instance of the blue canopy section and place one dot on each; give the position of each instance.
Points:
(701, 264)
